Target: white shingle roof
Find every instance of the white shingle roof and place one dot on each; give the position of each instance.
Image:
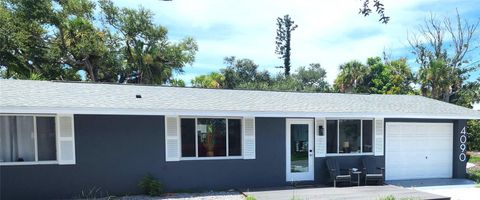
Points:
(85, 98)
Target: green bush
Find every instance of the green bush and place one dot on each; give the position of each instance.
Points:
(474, 175)
(151, 186)
(473, 131)
(249, 197)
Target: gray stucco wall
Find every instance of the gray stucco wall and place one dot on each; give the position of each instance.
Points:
(114, 152)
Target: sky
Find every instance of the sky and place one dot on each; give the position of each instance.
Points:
(329, 32)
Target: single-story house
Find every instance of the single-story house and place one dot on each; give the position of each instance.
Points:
(59, 139)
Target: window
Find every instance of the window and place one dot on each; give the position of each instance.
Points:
(332, 136)
(27, 138)
(210, 137)
(349, 136)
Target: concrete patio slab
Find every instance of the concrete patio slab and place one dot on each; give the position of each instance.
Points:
(362, 192)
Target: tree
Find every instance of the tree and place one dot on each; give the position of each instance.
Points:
(442, 69)
(473, 134)
(151, 58)
(313, 78)
(27, 47)
(284, 33)
(351, 77)
(242, 71)
(177, 83)
(212, 80)
(441, 48)
(59, 40)
(391, 77)
(366, 10)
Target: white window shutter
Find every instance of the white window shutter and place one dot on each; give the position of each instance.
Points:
(379, 132)
(172, 138)
(249, 138)
(320, 140)
(65, 139)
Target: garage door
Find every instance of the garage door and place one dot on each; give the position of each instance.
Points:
(418, 150)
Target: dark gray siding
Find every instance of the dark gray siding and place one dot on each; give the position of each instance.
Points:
(114, 152)
(459, 167)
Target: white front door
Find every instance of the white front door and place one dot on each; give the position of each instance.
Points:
(418, 150)
(299, 149)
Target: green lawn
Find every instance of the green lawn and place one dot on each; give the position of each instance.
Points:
(474, 172)
(475, 160)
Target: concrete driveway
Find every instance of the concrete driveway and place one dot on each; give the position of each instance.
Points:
(457, 189)
(342, 193)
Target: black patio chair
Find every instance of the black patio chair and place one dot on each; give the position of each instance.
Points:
(337, 174)
(372, 172)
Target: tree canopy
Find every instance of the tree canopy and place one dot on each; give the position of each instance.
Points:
(63, 40)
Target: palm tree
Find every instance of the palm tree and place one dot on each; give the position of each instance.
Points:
(436, 79)
(212, 80)
(351, 77)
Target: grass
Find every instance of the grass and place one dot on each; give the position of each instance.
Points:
(249, 197)
(474, 159)
(474, 172)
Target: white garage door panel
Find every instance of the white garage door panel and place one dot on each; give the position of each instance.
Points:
(418, 150)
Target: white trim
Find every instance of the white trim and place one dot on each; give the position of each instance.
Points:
(300, 176)
(213, 158)
(349, 154)
(361, 136)
(249, 152)
(29, 163)
(226, 157)
(176, 137)
(135, 111)
(27, 114)
(379, 137)
(320, 141)
(71, 138)
(226, 138)
(35, 139)
(196, 138)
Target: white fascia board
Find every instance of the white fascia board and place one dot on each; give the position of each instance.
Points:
(232, 113)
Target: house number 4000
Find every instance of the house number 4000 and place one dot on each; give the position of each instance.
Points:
(463, 147)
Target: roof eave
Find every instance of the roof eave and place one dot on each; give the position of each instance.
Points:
(136, 111)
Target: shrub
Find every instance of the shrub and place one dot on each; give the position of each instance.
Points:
(249, 197)
(474, 175)
(473, 131)
(151, 186)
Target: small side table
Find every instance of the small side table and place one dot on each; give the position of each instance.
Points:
(358, 176)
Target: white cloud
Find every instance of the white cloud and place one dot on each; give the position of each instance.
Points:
(329, 32)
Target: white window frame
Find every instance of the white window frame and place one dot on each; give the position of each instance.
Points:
(361, 137)
(36, 162)
(196, 138)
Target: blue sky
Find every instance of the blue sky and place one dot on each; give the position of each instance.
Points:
(330, 32)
